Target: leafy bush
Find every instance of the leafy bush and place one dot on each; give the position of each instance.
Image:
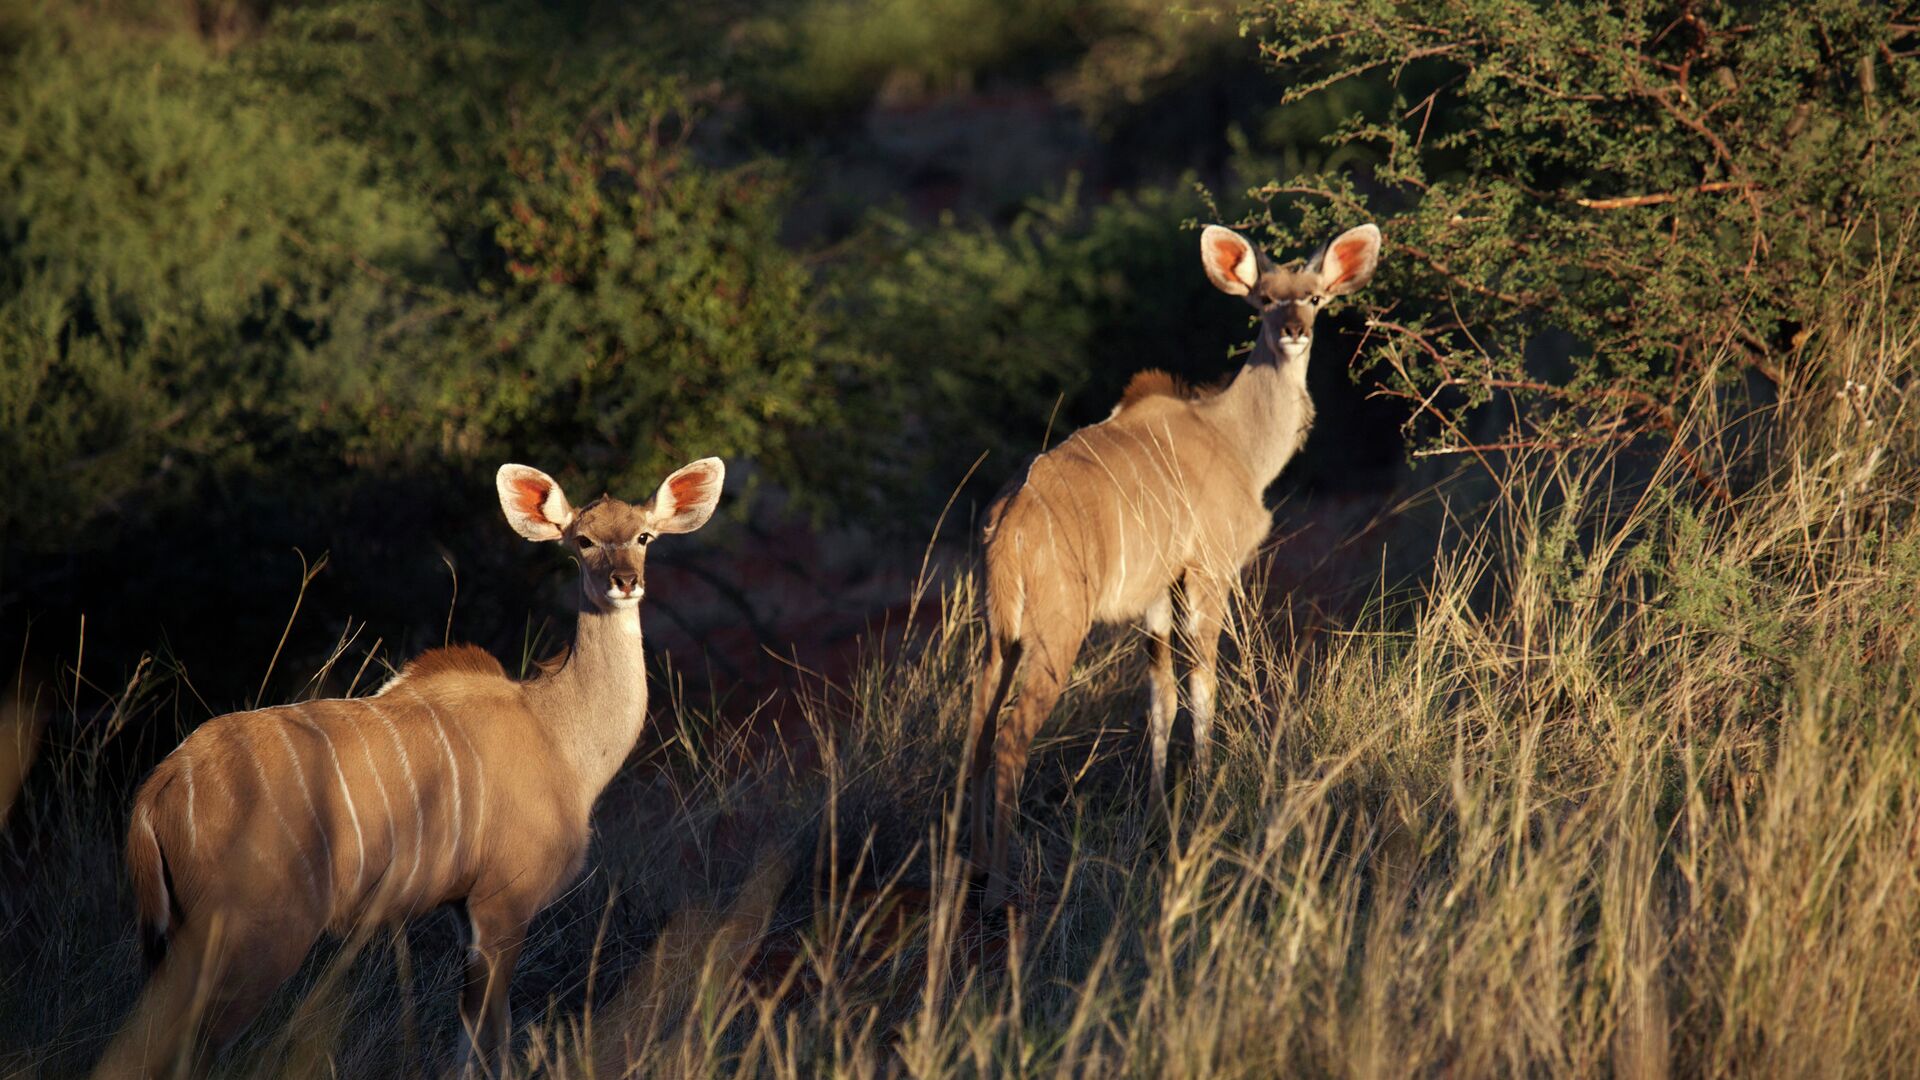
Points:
(203, 256)
(1676, 186)
(626, 306)
(175, 283)
(644, 312)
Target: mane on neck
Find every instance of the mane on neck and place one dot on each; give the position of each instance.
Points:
(1153, 382)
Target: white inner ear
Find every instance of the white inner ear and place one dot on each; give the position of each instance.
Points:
(1238, 277)
(1350, 258)
(681, 515)
(1248, 268)
(555, 507)
(664, 505)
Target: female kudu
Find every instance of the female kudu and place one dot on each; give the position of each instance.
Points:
(454, 784)
(1167, 491)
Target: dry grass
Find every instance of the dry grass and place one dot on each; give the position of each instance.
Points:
(1628, 784)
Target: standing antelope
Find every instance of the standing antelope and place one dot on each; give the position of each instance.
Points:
(454, 784)
(1166, 491)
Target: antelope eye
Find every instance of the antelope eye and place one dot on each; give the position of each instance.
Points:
(643, 539)
(583, 542)
(1315, 299)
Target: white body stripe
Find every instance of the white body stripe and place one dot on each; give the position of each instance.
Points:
(313, 808)
(193, 828)
(479, 787)
(266, 793)
(419, 816)
(453, 848)
(373, 766)
(346, 793)
(166, 909)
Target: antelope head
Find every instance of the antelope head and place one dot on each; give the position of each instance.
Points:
(1289, 298)
(609, 537)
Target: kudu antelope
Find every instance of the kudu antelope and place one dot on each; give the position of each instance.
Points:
(1165, 492)
(454, 784)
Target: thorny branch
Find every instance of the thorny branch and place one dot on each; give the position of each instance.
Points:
(1634, 404)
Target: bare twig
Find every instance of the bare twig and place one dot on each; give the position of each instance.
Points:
(1624, 202)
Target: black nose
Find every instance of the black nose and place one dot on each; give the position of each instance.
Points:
(626, 583)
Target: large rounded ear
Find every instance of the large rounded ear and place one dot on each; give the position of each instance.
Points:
(1233, 264)
(686, 499)
(1347, 263)
(534, 504)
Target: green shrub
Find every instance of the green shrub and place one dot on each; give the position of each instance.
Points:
(624, 306)
(183, 272)
(653, 314)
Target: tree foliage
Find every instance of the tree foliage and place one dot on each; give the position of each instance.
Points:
(1674, 185)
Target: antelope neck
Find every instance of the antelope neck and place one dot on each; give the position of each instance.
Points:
(1266, 409)
(596, 703)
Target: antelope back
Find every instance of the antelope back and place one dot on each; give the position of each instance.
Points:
(358, 808)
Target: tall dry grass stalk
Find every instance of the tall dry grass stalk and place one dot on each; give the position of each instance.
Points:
(1627, 783)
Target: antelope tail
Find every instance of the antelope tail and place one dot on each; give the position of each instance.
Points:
(147, 868)
(1006, 599)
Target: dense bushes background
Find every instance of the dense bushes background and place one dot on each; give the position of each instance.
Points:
(356, 241)
(293, 276)
(280, 276)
